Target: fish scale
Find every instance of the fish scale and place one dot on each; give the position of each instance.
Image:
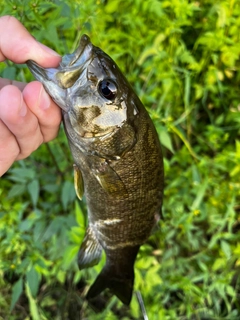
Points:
(118, 163)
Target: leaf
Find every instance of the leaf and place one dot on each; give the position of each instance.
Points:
(185, 141)
(16, 190)
(200, 194)
(70, 254)
(68, 193)
(9, 73)
(16, 292)
(53, 228)
(202, 266)
(26, 225)
(51, 188)
(22, 174)
(111, 6)
(187, 90)
(33, 189)
(226, 249)
(230, 291)
(33, 280)
(219, 263)
(166, 140)
(33, 305)
(146, 54)
(79, 215)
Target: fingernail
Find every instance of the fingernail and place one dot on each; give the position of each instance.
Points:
(22, 109)
(44, 99)
(47, 49)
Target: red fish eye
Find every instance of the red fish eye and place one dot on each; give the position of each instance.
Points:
(108, 89)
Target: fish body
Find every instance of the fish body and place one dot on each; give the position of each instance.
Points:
(118, 161)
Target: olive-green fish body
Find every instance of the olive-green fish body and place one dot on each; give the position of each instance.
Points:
(118, 161)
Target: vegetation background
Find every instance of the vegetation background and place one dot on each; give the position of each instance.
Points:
(182, 58)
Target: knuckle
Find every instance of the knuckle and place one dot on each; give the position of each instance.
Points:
(28, 147)
(51, 136)
(9, 150)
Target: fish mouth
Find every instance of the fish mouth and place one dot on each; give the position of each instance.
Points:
(80, 56)
(68, 72)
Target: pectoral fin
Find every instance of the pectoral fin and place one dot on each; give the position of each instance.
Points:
(78, 182)
(90, 251)
(111, 181)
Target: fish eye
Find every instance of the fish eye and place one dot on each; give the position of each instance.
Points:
(107, 89)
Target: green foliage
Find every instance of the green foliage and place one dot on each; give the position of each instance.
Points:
(182, 58)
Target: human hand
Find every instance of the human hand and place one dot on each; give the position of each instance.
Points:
(28, 117)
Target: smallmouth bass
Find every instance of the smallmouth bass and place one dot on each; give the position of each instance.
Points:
(118, 161)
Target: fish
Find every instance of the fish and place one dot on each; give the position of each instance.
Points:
(118, 162)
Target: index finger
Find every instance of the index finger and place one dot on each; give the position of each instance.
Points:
(17, 45)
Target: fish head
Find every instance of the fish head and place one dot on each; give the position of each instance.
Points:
(89, 88)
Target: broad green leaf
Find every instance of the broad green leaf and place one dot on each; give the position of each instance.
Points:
(16, 292)
(33, 280)
(230, 290)
(219, 263)
(33, 189)
(33, 305)
(79, 215)
(22, 174)
(226, 249)
(16, 190)
(165, 140)
(9, 73)
(68, 193)
(26, 225)
(70, 255)
(199, 196)
(51, 188)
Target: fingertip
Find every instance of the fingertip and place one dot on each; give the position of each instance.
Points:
(40, 103)
(11, 104)
(18, 45)
(44, 56)
(49, 50)
(31, 93)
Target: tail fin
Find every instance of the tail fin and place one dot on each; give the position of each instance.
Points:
(121, 285)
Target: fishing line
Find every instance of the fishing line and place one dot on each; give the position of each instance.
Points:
(141, 304)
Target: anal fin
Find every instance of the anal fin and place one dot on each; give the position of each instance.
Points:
(90, 251)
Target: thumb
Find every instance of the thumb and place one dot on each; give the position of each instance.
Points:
(17, 45)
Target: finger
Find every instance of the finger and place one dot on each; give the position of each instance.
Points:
(48, 113)
(9, 148)
(18, 45)
(20, 121)
(5, 82)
